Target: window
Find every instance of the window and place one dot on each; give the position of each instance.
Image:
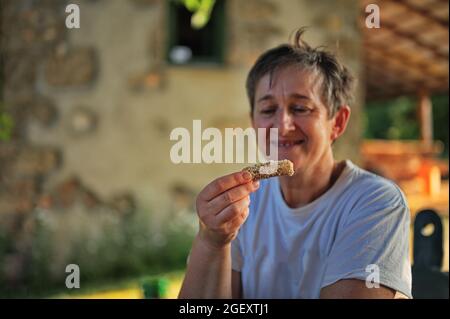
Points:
(191, 46)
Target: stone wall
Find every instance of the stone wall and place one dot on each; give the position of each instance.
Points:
(27, 36)
(93, 107)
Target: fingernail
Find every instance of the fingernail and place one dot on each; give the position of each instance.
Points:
(256, 184)
(247, 176)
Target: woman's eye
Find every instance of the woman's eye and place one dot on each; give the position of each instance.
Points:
(300, 109)
(268, 111)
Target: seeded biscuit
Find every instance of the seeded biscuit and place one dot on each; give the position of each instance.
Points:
(271, 169)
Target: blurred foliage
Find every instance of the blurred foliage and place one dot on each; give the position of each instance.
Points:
(398, 119)
(201, 11)
(6, 125)
(106, 247)
(440, 120)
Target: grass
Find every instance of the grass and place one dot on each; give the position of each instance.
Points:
(128, 288)
(125, 289)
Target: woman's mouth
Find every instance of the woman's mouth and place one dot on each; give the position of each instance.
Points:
(289, 144)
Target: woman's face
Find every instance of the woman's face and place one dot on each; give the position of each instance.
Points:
(292, 103)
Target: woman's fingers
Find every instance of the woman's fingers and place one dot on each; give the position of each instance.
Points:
(231, 196)
(222, 184)
(222, 206)
(231, 212)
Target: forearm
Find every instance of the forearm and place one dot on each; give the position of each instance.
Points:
(208, 273)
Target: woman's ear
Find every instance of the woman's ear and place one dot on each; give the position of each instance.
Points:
(340, 122)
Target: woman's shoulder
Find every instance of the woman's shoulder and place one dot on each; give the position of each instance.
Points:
(374, 188)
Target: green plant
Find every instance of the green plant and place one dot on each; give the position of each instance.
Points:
(6, 126)
(201, 11)
(106, 247)
(398, 119)
(440, 120)
(395, 119)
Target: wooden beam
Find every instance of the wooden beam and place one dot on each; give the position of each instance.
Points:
(394, 69)
(402, 59)
(384, 77)
(411, 36)
(424, 13)
(403, 68)
(382, 95)
(384, 84)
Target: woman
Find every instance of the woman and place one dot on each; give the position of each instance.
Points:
(332, 230)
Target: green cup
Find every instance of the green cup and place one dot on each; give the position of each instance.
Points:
(154, 288)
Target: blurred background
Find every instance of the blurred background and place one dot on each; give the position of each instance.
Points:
(85, 118)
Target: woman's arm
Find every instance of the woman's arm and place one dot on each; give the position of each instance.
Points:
(355, 289)
(222, 207)
(236, 285)
(208, 273)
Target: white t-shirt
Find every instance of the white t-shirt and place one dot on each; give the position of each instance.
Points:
(361, 221)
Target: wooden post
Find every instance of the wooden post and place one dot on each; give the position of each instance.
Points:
(426, 120)
(429, 171)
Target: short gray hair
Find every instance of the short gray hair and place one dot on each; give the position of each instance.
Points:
(338, 82)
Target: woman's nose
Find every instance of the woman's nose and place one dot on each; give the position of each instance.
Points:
(285, 123)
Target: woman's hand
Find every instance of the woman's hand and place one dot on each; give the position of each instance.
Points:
(222, 207)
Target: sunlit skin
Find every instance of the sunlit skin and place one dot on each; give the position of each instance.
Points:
(292, 102)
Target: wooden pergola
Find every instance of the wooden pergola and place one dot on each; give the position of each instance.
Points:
(408, 54)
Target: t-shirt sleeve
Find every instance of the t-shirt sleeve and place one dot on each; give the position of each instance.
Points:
(373, 245)
(236, 255)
